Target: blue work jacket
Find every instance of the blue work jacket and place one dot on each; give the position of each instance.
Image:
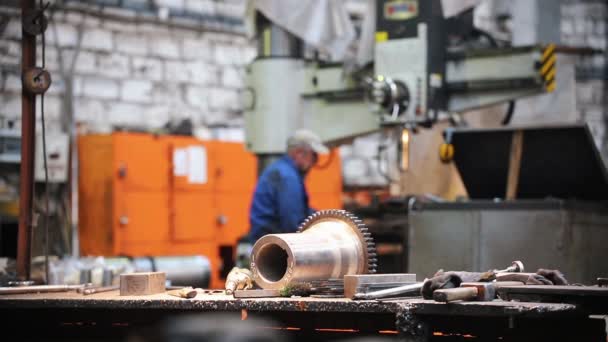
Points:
(280, 200)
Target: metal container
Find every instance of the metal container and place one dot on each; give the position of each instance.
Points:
(558, 219)
(484, 235)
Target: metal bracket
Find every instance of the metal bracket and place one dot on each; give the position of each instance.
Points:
(35, 22)
(36, 80)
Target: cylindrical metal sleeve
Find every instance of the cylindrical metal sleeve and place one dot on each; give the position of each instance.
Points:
(329, 249)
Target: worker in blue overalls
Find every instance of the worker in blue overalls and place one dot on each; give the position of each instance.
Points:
(280, 200)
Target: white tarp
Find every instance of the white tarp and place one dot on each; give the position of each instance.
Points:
(323, 24)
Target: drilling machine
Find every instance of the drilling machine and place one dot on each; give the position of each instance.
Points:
(424, 68)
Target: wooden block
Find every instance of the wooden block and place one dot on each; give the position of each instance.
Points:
(144, 283)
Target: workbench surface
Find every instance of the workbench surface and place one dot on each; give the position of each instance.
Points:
(221, 302)
(413, 319)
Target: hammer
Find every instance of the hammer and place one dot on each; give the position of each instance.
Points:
(476, 291)
(516, 266)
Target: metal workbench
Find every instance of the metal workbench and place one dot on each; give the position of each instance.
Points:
(108, 316)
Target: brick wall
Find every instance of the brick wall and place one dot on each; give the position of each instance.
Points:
(584, 25)
(136, 63)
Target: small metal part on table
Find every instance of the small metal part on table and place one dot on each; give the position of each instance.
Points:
(257, 293)
(92, 290)
(38, 289)
(238, 279)
(362, 283)
(467, 291)
(326, 296)
(516, 266)
(21, 283)
(413, 289)
(185, 292)
(210, 292)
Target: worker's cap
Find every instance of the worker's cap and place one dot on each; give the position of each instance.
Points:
(304, 137)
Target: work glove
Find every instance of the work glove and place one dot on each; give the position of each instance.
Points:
(547, 277)
(441, 280)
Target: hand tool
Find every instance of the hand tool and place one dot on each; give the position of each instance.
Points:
(39, 289)
(477, 291)
(447, 280)
(516, 266)
(21, 283)
(92, 290)
(363, 283)
(527, 278)
(186, 292)
(396, 291)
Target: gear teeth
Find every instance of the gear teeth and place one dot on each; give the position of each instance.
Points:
(353, 221)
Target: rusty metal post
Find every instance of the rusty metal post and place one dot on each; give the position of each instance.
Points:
(28, 136)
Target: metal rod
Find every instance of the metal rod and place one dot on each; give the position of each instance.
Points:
(39, 289)
(88, 291)
(396, 291)
(28, 135)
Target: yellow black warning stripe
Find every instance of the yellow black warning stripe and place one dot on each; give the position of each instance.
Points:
(548, 67)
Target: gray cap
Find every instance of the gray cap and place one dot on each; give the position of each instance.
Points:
(305, 137)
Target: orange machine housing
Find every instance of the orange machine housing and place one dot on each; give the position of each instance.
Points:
(147, 195)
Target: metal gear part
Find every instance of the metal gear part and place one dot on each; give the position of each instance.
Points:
(354, 223)
(328, 245)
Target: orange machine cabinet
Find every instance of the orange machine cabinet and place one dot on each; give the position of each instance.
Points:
(236, 168)
(236, 178)
(95, 190)
(324, 182)
(235, 181)
(123, 206)
(192, 183)
(144, 195)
